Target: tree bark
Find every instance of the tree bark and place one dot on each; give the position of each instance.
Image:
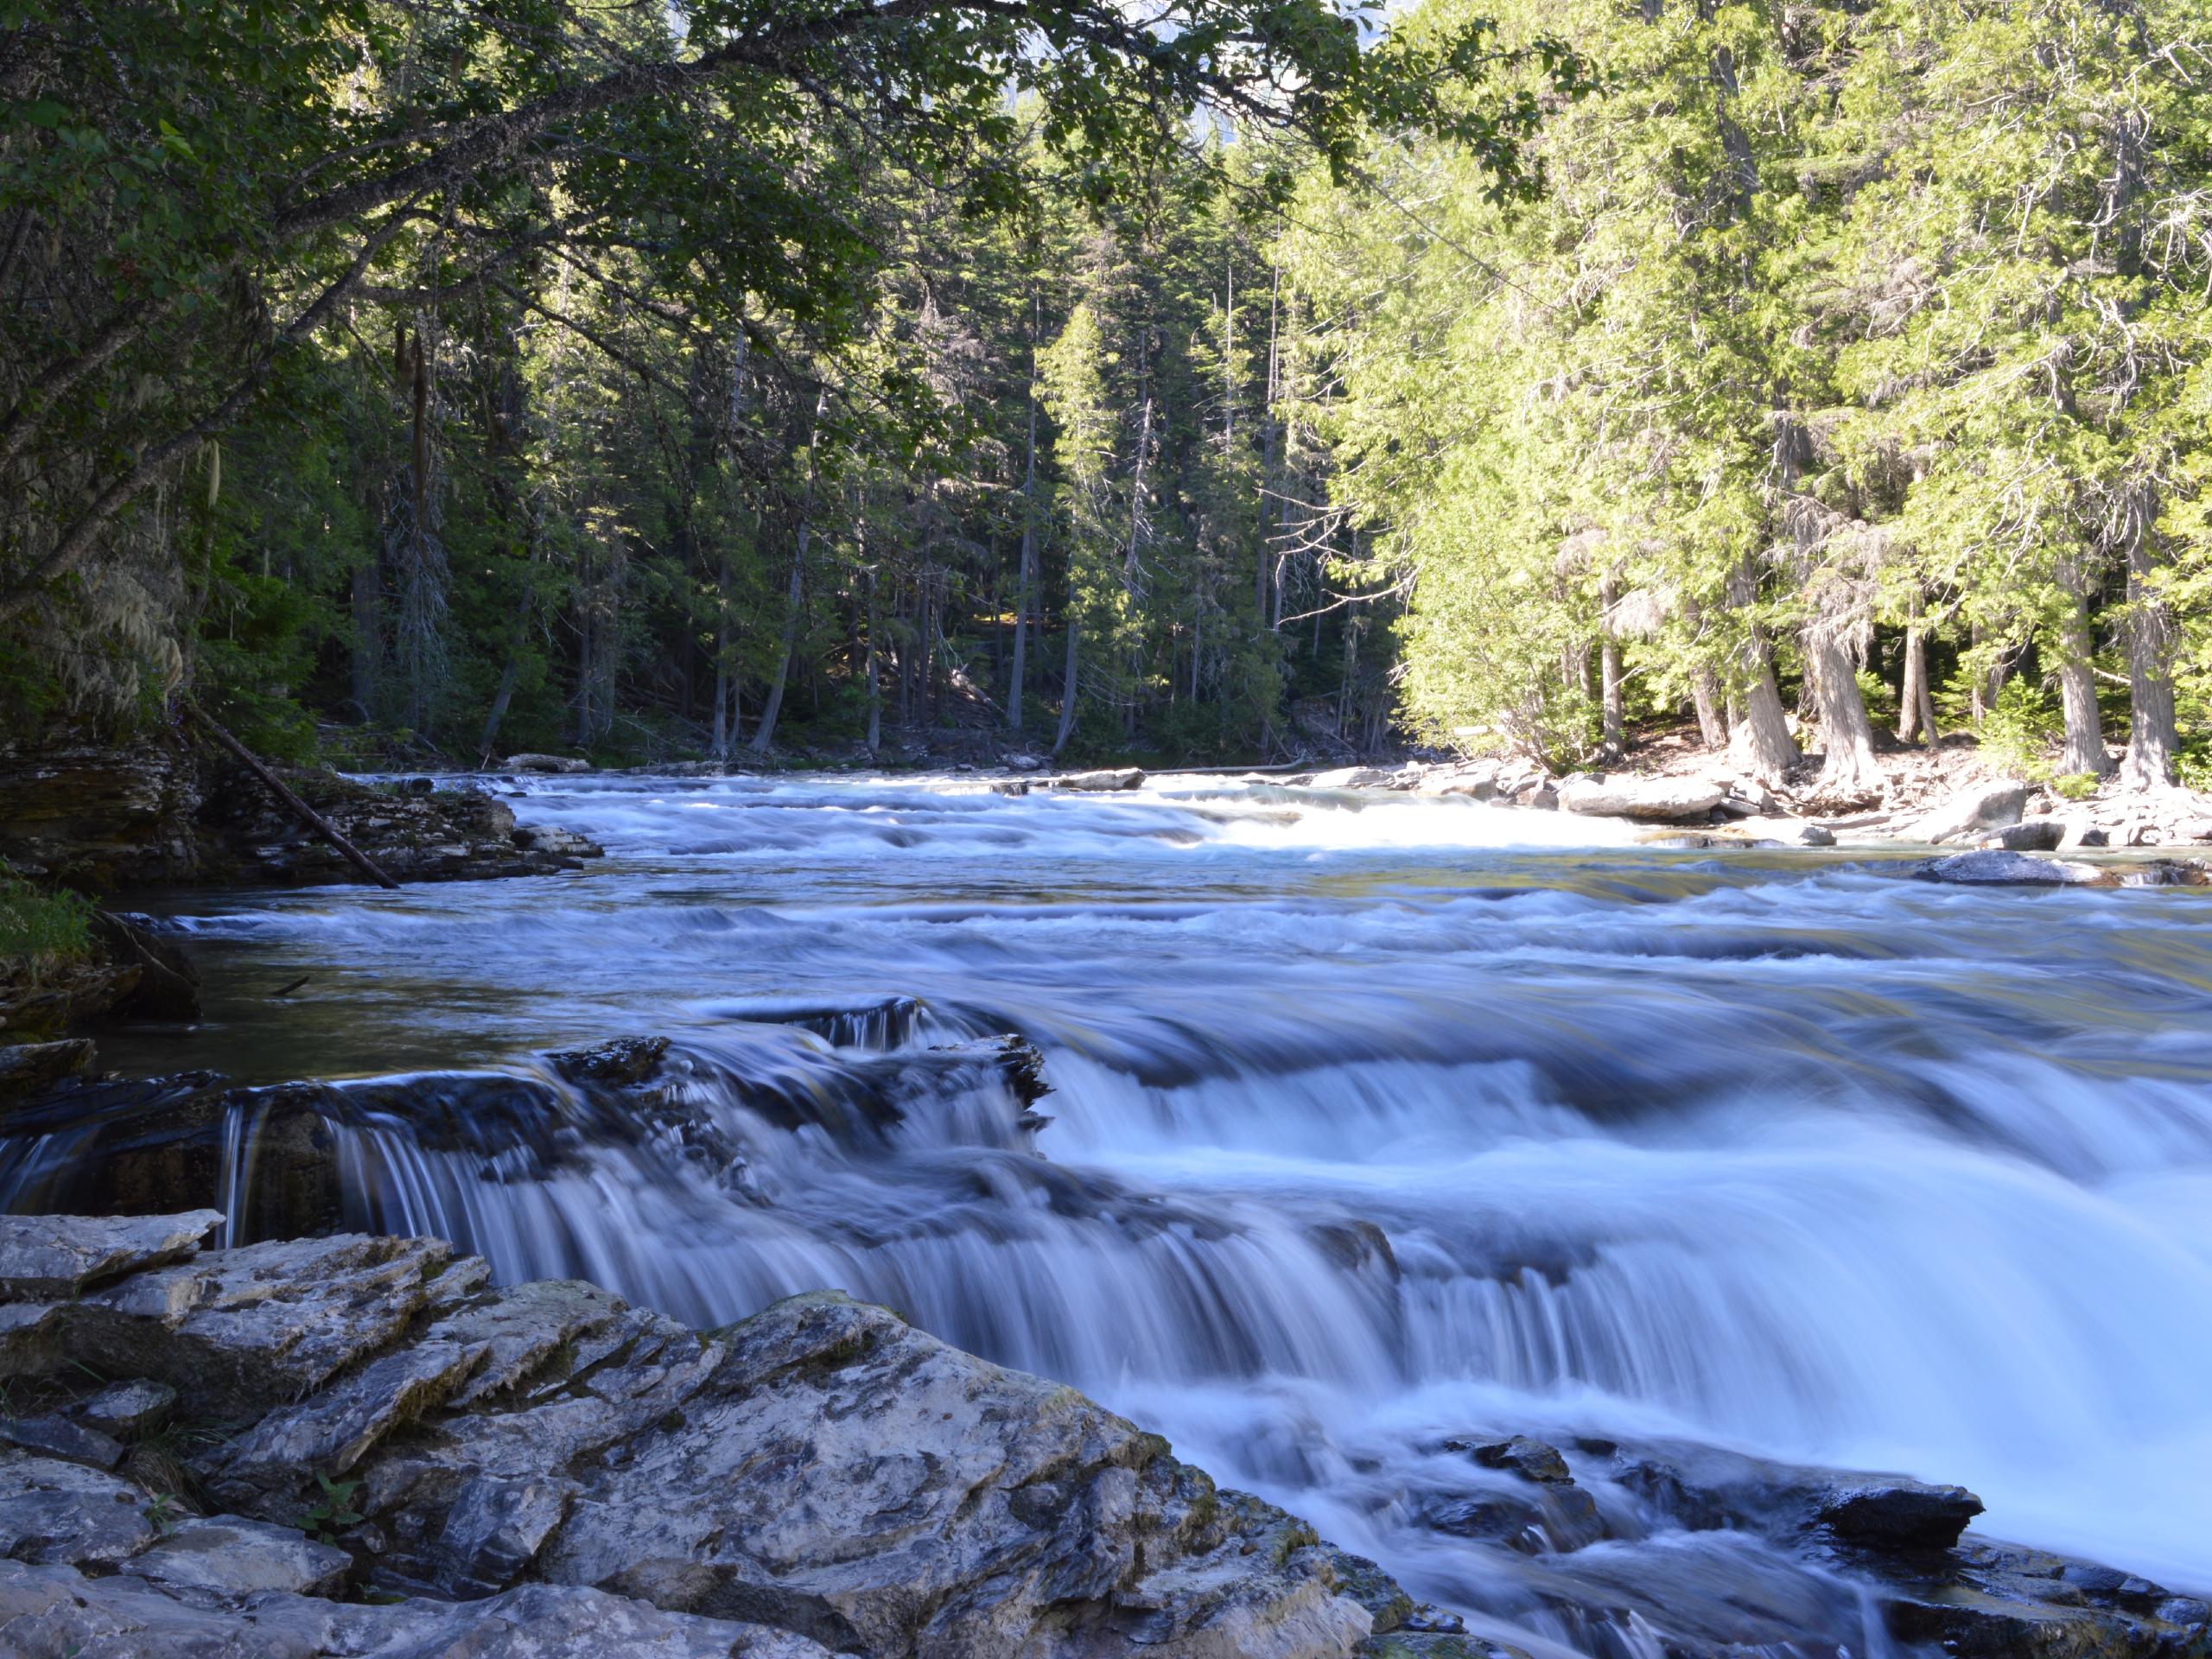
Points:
(1705, 696)
(1067, 687)
(1026, 582)
(764, 733)
(1916, 700)
(2084, 752)
(1762, 739)
(1849, 771)
(2153, 741)
(1611, 701)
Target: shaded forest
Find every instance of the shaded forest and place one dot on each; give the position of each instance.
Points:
(1240, 381)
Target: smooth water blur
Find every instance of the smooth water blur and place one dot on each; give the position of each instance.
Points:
(1781, 1152)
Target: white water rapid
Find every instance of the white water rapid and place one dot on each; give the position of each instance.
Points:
(1376, 1121)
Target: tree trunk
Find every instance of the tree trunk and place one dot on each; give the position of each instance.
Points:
(2153, 742)
(510, 672)
(1762, 740)
(1916, 700)
(1610, 696)
(2084, 752)
(1067, 689)
(1705, 695)
(1850, 772)
(1026, 582)
(765, 732)
(874, 679)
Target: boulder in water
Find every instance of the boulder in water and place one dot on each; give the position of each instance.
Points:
(1102, 782)
(1899, 1514)
(559, 763)
(1664, 799)
(1997, 868)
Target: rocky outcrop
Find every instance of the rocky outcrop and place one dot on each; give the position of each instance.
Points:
(105, 817)
(413, 831)
(99, 815)
(542, 1469)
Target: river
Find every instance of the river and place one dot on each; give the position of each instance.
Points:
(1376, 1121)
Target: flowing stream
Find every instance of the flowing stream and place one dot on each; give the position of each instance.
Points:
(1376, 1120)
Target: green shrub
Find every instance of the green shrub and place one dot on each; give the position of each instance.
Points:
(39, 930)
(2020, 731)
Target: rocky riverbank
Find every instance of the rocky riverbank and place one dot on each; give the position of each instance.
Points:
(358, 1445)
(165, 811)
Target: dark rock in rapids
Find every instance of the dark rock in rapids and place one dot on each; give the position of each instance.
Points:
(1899, 1514)
(2009, 869)
(1532, 1460)
(1897, 1540)
(543, 1469)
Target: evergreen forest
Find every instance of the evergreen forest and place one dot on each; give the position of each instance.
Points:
(1195, 379)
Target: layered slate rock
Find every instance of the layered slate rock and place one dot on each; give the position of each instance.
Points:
(544, 1468)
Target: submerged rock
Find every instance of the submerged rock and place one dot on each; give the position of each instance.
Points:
(549, 1471)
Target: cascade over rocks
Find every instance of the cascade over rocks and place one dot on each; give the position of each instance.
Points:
(544, 1468)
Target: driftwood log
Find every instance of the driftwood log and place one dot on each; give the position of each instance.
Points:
(292, 803)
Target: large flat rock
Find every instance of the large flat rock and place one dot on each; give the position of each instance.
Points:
(43, 1257)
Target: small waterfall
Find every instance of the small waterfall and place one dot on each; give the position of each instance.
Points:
(1369, 1129)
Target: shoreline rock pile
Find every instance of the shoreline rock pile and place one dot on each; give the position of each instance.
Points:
(367, 1449)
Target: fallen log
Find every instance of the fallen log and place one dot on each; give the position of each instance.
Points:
(292, 803)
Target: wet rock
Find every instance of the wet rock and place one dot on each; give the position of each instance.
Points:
(558, 842)
(2041, 835)
(820, 1478)
(2004, 869)
(1509, 1518)
(223, 1560)
(1100, 782)
(54, 1512)
(1991, 1601)
(55, 1612)
(45, 1256)
(1667, 799)
(129, 1409)
(1354, 777)
(624, 1061)
(98, 817)
(1986, 806)
(559, 763)
(1902, 1515)
(1530, 1458)
(28, 1069)
(1021, 762)
(1411, 1644)
(1356, 1246)
(53, 1436)
(244, 1330)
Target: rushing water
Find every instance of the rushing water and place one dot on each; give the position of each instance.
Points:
(1783, 1152)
